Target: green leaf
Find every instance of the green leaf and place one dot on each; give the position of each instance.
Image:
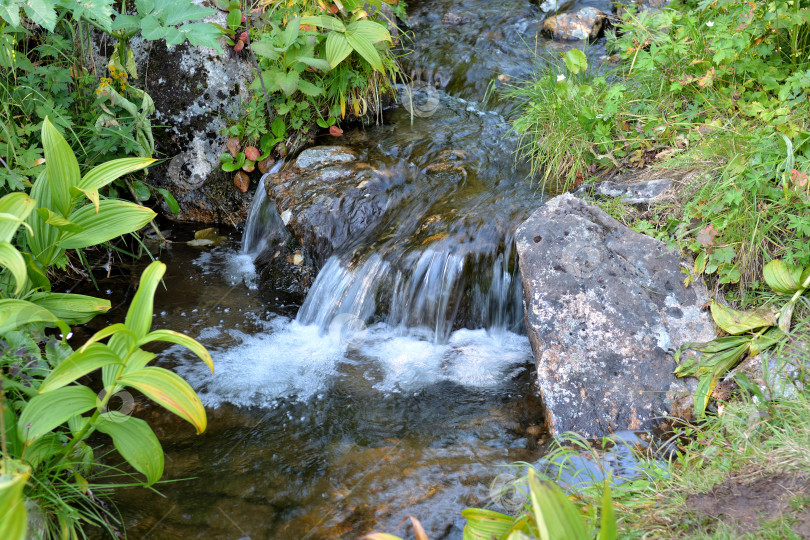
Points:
(136, 442)
(13, 514)
(171, 202)
(337, 48)
(56, 220)
(15, 263)
(71, 308)
(324, 21)
(309, 88)
(178, 12)
(366, 49)
(61, 167)
(234, 19)
(17, 313)
(127, 23)
(151, 28)
(41, 12)
(291, 32)
(106, 173)
(317, 63)
(14, 207)
(265, 50)
(141, 190)
(555, 515)
(46, 412)
(278, 128)
(139, 314)
(113, 219)
(575, 60)
(170, 391)
(177, 338)
(736, 322)
(11, 13)
(288, 82)
(203, 35)
(782, 277)
(371, 31)
(485, 524)
(79, 364)
(607, 522)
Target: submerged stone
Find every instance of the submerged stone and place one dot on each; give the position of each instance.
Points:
(605, 309)
(583, 24)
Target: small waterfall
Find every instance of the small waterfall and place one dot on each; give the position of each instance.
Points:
(439, 291)
(262, 220)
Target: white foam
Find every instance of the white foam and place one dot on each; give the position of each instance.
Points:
(292, 361)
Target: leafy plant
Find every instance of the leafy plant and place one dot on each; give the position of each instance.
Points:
(751, 332)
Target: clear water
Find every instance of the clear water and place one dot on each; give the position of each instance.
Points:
(405, 378)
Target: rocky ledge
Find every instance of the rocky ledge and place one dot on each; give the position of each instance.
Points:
(605, 309)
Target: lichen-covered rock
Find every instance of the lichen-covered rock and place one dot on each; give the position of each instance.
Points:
(583, 24)
(605, 309)
(637, 193)
(329, 197)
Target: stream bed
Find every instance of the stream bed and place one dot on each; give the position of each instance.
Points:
(405, 379)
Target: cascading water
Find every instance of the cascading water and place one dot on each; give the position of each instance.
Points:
(404, 378)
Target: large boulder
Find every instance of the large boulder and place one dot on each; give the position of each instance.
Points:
(605, 309)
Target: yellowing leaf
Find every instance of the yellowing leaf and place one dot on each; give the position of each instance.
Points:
(170, 391)
(736, 322)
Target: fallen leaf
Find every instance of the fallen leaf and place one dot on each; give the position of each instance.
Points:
(249, 166)
(239, 46)
(266, 164)
(241, 181)
(707, 235)
(252, 153)
(335, 131)
(233, 146)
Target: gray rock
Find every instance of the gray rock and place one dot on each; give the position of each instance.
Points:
(638, 193)
(583, 24)
(555, 5)
(332, 200)
(323, 156)
(605, 309)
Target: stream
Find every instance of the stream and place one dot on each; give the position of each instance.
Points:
(405, 378)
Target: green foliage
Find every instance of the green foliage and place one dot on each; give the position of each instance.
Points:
(751, 332)
(313, 69)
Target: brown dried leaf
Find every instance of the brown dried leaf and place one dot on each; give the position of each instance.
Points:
(233, 146)
(241, 181)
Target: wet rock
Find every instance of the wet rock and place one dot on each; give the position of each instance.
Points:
(583, 24)
(605, 309)
(555, 5)
(638, 194)
(640, 5)
(328, 198)
(451, 18)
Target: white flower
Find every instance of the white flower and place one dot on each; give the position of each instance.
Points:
(710, 24)
(560, 77)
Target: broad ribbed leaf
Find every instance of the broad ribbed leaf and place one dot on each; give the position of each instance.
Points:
(555, 515)
(736, 322)
(71, 308)
(43, 243)
(61, 167)
(366, 49)
(485, 524)
(104, 174)
(41, 12)
(337, 48)
(170, 391)
(324, 21)
(114, 218)
(16, 313)
(111, 330)
(56, 220)
(14, 208)
(136, 442)
(782, 277)
(372, 31)
(14, 261)
(46, 412)
(13, 514)
(78, 364)
(139, 315)
(180, 339)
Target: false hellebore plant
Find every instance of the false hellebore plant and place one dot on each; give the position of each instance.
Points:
(749, 332)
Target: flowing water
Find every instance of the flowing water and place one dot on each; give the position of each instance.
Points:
(404, 379)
